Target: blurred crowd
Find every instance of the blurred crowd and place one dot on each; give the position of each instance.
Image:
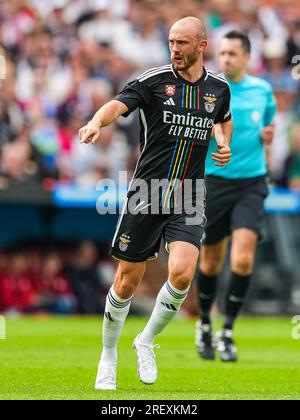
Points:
(66, 279)
(61, 281)
(66, 58)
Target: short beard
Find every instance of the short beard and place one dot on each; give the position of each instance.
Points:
(190, 60)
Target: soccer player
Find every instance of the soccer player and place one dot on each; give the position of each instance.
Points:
(179, 104)
(235, 196)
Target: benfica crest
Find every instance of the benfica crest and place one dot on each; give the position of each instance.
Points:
(170, 90)
(209, 107)
(210, 103)
(124, 242)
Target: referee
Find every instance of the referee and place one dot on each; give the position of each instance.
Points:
(235, 197)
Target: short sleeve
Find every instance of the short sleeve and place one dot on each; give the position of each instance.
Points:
(134, 95)
(224, 113)
(271, 108)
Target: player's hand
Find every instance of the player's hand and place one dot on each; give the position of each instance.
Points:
(90, 133)
(223, 156)
(267, 134)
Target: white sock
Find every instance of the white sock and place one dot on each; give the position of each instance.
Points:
(168, 303)
(116, 311)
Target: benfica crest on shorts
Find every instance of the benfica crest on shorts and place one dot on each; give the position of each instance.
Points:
(124, 242)
(170, 90)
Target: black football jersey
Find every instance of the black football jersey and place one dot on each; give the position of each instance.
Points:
(177, 118)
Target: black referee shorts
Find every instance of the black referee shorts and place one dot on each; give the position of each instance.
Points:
(138, 236)
(233, 204)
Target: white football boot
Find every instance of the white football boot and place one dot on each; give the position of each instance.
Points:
(106, 377)
(147, 368)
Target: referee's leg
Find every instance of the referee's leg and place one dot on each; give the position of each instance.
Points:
(212, 260)
(244, 242)
(243, 248)
(211, 263)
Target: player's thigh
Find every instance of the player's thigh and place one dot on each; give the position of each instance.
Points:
(243, 248)
(183, 260)
(128, 277)
(212, 257)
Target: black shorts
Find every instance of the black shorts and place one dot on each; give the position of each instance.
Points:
(138, 236)
(233, 204)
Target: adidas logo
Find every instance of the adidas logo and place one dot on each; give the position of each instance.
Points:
(169, 306)
(170, 102)
(108, 316)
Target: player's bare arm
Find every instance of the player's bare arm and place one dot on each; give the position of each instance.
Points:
(223, 134)
(106, 115)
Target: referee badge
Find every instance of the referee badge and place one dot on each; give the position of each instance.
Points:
(170, 90)
(124, 242)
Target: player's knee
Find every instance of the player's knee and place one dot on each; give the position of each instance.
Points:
(125, 288)
(181, 276)
(243, 263)
(126, 283)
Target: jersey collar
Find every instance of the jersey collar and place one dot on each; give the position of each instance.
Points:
(203, 77)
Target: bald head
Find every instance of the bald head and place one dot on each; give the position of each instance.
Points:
(187, 42)
(192, 26)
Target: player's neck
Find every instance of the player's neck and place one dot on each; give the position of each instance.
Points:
(194, 73)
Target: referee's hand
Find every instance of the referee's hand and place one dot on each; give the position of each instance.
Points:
(89, 134)
(268, 133)
(223, 155)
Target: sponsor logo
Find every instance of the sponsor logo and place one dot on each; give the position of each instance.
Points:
(187, 125)
(187, 120)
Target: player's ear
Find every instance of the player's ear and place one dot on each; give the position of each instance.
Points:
(203, 45)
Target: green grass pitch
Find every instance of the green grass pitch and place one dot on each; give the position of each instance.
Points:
(56, 358)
